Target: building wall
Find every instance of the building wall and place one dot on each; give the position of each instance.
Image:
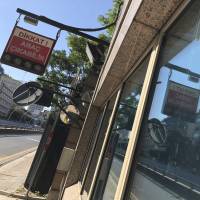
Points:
(7, 87)
(139, 34)
(35, 109)
(140, 24)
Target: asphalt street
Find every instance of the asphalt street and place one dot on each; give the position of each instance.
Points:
(12, 144)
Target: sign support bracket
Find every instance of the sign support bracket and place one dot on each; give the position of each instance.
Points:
(71, 29)
(17, 21)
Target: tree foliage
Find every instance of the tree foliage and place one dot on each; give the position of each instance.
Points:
(77, 56)
(109, 17)
(65, 66)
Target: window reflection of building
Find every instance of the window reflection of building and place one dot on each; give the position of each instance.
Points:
(168, 154)
(119, 135)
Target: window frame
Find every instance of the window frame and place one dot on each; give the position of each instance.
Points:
(143, 108)
(105, 142)
(149, 51)
(153, 49)
(130, 152)
(97, 134)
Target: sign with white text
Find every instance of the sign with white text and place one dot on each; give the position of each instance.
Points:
(28, 51)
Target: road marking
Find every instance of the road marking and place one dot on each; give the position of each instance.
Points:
(33, 139)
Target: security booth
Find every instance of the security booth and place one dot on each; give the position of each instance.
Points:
(145, 140)
(44, 165)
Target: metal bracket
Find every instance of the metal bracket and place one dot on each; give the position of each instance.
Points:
(76, 31)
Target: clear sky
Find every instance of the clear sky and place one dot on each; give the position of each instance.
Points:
(80, 13)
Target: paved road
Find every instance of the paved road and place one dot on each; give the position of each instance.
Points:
(8, 123)
(12, 144)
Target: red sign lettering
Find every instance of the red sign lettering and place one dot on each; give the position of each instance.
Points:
(28, 51)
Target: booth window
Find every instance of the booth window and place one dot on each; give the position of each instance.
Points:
(111, 166)
(167, 161)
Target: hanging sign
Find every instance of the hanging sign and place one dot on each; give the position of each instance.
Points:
(181, 101)
(28, 51)
(32, 93)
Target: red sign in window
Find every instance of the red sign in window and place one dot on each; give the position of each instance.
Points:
(181, 101)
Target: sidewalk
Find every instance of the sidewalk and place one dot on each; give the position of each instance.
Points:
(2, 197)
(12, 177)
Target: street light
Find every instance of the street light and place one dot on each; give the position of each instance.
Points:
(30, 20)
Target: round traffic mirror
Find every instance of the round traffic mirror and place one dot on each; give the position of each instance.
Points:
(28, 93)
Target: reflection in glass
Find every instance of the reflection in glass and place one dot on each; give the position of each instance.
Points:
(168, 153)
(107, 181)
(101, 130)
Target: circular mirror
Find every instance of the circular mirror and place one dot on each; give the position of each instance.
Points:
(28, 93)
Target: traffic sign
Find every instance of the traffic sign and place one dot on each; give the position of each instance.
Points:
(28, 51)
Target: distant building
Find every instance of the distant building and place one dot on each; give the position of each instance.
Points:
(7, 87)
(35, 109)
(1, 70)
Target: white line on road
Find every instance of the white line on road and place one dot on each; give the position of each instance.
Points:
(33, 139)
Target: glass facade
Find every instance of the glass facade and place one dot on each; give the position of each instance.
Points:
(101, 130)
(167, 161)
(111, 166)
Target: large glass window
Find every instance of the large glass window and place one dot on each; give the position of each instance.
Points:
(98, 142)
(167, 165)
(110, 170)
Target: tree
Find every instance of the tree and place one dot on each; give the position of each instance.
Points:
(77, 57)
(64, 67)
(109, 17)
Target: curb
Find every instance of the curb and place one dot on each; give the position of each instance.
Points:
(22, 129)
(11, 158)
(15, 195)
(19, 131)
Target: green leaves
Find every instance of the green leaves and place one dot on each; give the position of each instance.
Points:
(109, 17)
(65, 66)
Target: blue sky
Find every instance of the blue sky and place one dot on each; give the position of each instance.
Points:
(80, 13)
